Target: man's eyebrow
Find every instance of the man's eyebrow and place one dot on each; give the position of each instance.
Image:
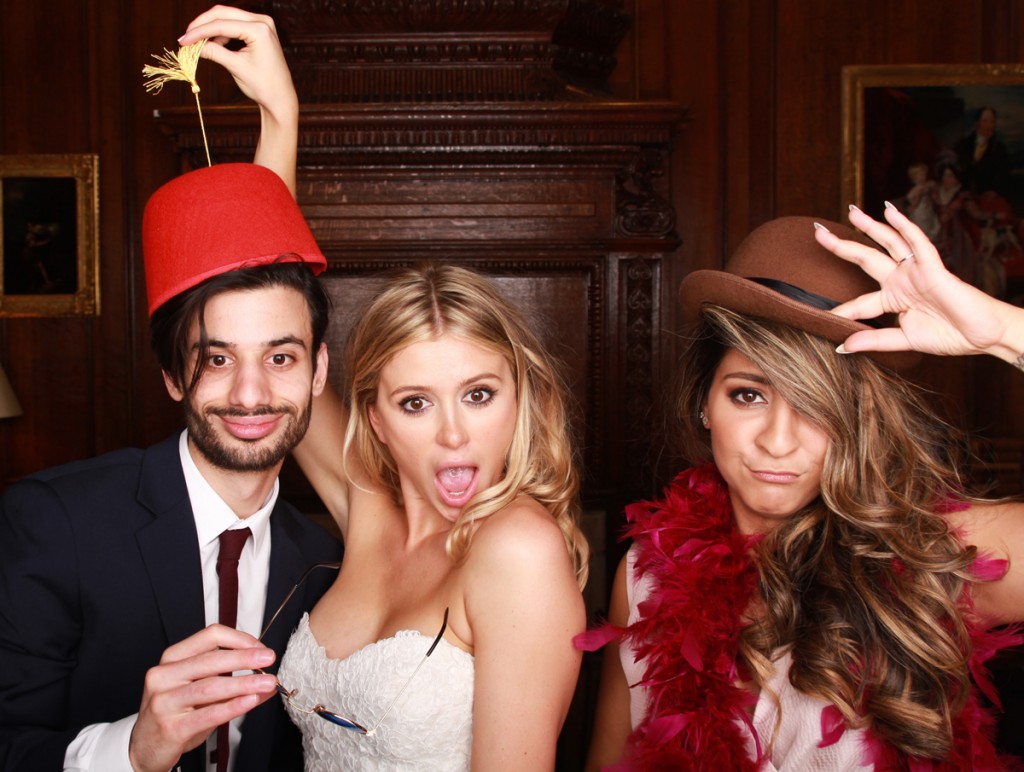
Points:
(285, 340)
(293, 340)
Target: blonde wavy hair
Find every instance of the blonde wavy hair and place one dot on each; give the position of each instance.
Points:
(864, 585)
(431, 301)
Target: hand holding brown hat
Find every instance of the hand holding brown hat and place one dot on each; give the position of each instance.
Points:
(781, 273)
(938, 313)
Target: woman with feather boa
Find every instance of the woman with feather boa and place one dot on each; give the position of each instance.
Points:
(821, 592)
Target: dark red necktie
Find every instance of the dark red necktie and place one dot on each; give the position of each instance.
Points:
(231, 543)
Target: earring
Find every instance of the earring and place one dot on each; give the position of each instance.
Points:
(703, 419)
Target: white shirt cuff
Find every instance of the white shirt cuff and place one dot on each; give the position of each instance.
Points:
(101, 747)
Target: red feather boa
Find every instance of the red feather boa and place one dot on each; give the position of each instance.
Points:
(688, 634)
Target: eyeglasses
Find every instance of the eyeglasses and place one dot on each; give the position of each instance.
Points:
(329, 715)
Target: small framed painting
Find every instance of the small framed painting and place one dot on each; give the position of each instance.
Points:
(50, 230)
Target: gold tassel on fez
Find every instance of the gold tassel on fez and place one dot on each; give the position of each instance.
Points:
(178, 66)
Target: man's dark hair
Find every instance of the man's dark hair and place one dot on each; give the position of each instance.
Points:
(171, 322)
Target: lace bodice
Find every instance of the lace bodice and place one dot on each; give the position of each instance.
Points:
(430, 728)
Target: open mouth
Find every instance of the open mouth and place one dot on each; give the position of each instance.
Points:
(456, 484)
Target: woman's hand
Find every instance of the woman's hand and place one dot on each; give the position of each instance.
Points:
(938, 313)
(261, 72)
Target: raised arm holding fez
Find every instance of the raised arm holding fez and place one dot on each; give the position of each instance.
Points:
(261, 72)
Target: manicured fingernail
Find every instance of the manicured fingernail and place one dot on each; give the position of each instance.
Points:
(180, 39)
(266, 683)
(854, 208)
(841, 349)
(819, 227)
(889, 205)
(265, 657)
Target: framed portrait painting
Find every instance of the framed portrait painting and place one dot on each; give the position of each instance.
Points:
(50, 226)
(945, 144)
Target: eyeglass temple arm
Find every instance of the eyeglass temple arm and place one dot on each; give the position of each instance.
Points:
(291, 592)
(440, 635)
(444, 626)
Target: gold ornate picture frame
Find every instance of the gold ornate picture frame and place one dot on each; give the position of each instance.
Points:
(49, 251)
(945, 144)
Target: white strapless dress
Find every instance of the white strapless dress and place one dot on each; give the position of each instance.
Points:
(430, 728)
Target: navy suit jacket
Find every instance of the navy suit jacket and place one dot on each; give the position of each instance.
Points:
(99, 573)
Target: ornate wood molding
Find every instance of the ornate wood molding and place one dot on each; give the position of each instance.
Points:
(427, 51)
(344, 128)
(640, 210)
(640, 281)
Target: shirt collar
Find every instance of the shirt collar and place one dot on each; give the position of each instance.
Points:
(212, 514)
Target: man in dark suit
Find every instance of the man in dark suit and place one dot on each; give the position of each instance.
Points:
(983, 157)
(110, 655)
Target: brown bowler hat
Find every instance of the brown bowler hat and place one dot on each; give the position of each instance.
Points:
(781, 273)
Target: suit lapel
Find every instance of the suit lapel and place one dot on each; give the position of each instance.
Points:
(169, 545)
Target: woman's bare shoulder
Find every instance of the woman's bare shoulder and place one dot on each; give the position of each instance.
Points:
(517, 548)
(997, 530)
(522, 528)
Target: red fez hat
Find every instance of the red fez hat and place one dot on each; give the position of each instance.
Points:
(781, 273)
(218, 219)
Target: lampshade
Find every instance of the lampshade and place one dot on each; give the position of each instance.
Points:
(9, 405)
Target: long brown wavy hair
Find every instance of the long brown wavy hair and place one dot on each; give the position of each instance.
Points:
(434, 300)
(864, 584)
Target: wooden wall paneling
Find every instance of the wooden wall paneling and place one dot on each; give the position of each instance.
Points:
(735, 109)
(51, 371)
(762, 131)
(115, 385)
(681, 46)
(1002, 29)
(651, 58)
(806, 113)
(49, 361)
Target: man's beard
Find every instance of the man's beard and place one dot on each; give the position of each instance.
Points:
(246, 455)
